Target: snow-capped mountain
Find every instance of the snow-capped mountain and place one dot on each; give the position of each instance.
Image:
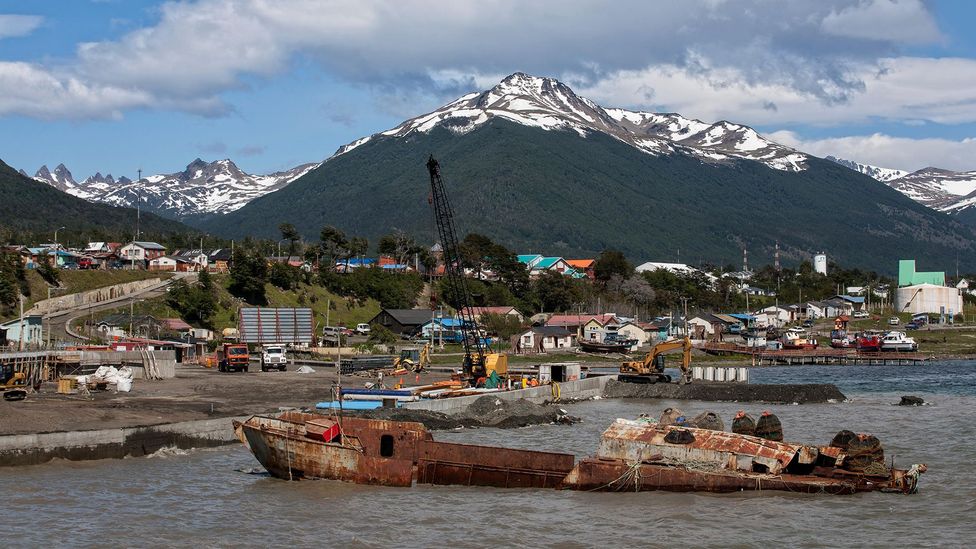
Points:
(943, 190)
(551, 105)
(202, 188)
(881, 174)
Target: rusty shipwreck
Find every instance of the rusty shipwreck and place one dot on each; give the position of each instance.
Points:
(632, 456)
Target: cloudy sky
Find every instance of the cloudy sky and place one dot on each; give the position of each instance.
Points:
(116, 85)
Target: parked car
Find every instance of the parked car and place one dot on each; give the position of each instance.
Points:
(362, 328)
(894, 321)
(808, 323)
(860, 314)
(331, 335)
(85, 263)
(912, 326)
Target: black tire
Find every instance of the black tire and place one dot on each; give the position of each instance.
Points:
(283, 368)
(245, 369)
(221, 367)
(264, 369)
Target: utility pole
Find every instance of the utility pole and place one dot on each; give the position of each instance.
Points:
(684, 303)
(138, 204)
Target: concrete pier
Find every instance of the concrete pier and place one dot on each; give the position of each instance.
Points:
(38, 448)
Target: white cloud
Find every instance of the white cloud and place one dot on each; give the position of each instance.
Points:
(199, 49)
(902, 20)
(909, 89)
(885, 151)
(18, 25)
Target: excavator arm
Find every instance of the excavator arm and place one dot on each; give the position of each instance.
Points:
(651, 368)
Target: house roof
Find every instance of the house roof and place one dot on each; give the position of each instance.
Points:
(742, 316)
(579, 320)
(177, 259)
(728, 319)
(408, 317)
(529, 259)
(546, 262)
(175, 324)
(556, 331)
(149, 245)
(581, 263)
(446, 322)
(850, 298)
(503, 310)
(220, 254)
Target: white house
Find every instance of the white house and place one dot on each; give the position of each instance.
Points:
(640, 331)
(141, 251)
(541, 339)
(700, 328)
(676, 268)
(774, 316)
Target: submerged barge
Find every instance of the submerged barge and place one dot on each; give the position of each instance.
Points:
(632, 456)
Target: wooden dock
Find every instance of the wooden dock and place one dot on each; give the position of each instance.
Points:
(828, 355)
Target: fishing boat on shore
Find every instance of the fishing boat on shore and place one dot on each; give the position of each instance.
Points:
(797, 339)
(633, 455)
(869, 341)
(898, 341)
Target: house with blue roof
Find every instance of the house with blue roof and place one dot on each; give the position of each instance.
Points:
(537, 264)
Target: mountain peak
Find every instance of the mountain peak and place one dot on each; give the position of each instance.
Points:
(551, 105)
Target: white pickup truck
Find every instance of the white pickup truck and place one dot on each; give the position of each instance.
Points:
(273, 357)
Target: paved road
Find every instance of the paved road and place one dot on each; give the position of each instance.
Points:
(56, 324)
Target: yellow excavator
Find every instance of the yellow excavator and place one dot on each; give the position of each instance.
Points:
(651, 369)
(13, 384)
(414, 360)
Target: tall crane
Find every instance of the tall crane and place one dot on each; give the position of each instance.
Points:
(477, 361)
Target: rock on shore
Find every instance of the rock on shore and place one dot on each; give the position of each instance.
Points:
(487, 411)
(735, 392)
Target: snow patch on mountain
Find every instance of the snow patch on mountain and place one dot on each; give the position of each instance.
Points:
(943, 190)
(201, 188)
(550, 105)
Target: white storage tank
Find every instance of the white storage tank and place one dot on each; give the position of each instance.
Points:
(697, 372)
(719, 374)
(709, 373)
(820, 263)
(928, 298)
(743, 375)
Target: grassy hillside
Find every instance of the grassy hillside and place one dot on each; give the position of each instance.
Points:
(557, 193)
(28, 206)
(343, 311)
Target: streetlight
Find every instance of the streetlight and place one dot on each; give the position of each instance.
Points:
(56, 241)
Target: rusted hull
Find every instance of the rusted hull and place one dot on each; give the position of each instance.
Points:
(618, 476)
(468, 465)
(284, 449)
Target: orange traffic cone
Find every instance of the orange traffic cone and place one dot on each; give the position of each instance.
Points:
(418, 378)
(401, 381)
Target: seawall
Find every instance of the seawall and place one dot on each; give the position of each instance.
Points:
(38, 448)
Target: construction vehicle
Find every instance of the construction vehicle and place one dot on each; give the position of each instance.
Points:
(478, 363)
(651, 369)
(274, 357)
(413, 359)
(233, 357)
(13, 384)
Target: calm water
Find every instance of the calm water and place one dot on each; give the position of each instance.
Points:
(210, 497)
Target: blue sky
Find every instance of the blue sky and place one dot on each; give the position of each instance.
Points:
(117, 85)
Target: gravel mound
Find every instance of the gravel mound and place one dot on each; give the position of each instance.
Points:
(487, 411)
(728, 392)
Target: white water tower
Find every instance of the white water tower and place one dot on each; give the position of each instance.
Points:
(820, 263)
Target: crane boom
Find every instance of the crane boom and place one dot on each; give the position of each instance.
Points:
(474, 347)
